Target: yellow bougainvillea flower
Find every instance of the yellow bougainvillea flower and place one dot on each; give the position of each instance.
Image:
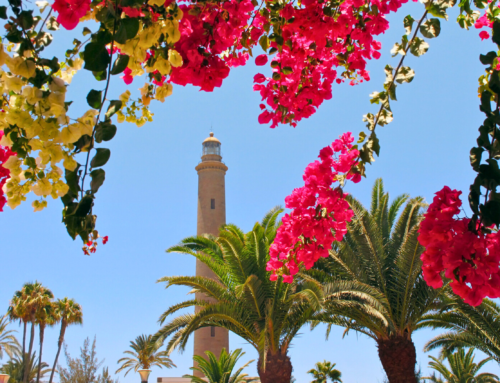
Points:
(163, 91)
(175, 58)
(21, 67)
(42, 187)
(158, 3)
(163, 66)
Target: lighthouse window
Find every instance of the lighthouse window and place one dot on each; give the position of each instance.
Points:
(212, 329)
(212, 203)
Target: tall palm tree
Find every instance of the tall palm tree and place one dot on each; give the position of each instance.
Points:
(220, 370)
(68, 312)
(145, 355)
(17, 312)
(476, 327)
(8, 341)
(324, 371)
(462, 368)
(45, 316)
(381, 251)
(34, 296)
(267, 314)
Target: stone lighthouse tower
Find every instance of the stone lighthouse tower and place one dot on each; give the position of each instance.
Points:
(211, 216)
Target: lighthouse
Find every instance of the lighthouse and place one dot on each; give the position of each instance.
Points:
(211, 216)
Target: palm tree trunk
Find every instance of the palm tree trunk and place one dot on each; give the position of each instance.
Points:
(398, 357)
(278, 368)
(42, 330)
(28, 361)
(25, 325)
(59, 345)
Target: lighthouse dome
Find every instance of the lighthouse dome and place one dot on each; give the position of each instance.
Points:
(211, 145)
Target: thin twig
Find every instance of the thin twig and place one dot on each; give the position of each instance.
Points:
(108, 80)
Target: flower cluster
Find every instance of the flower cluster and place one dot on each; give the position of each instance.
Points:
(207, 31)
(70, 12)
(314, 40)
(469, 259)
(90, 247)
(319, 213)
(5, 154)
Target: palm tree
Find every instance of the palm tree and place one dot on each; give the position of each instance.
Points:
(220, 370)
(32, 297)
(45, 316)
(324, 371)
(267, 314)
(462, 368)
(68, 312)
(476, 327)
(8, 341)
(15, 367)
(380, 251)
(145, 355)
(17, 312)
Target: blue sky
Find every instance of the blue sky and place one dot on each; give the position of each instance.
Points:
(148, 202)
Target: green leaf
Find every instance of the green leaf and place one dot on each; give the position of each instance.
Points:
(120, 64)
(485, 102)
(405, 74)
(86, 31)
(494, 82)
(264, 43)
(362, 136)
(73, 179)
(84, 206)
(98, 177)
(431, 28)
(128, 29)
(3, 12)
(418, 47)
(100, 76)
(114, 106)
(408, 24)
(496, 32)
(25, 19)
(100, 158)
(490, 213)
(96, 57)
(437, 9)
(488, 58)
(94, 99)
(83, 143)
(475, 157)
(105, 131)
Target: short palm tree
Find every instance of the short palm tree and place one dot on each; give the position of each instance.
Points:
(241, 298)
(68, 312)
(462, 368)
(381, 251)
(220, 370)
(8, 341)
(476, 327)
(325, 371)
(145, 355)
(15, 367)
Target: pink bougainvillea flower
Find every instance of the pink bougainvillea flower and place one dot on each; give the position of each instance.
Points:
(484, 35)
(127, 76)
(261, 60)
(105, 239)
(471, 260)
(319, 212)
(133, 12)
(70, 11)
